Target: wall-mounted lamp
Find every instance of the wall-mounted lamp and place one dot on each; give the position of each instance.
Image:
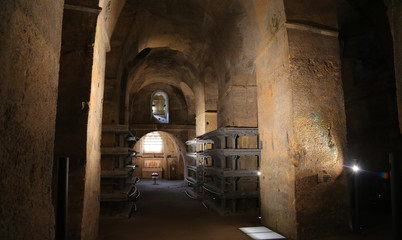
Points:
(355, 168)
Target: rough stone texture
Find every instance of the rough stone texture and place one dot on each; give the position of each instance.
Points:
(319, 139)
(79, 115)
(206, 122)
(30, 36)
(236, 70)
(277, 170)
(72, 110)
(302, 125)
(178, 110)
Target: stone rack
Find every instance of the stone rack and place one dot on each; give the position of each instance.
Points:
(195, 172)
(117, 180)
(216, 176)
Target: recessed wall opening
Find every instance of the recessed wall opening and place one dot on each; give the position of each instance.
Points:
(160, 107)
(158, 152)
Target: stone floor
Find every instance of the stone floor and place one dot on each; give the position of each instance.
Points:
(166, 213)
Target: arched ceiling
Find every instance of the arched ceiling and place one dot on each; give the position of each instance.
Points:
(173, 42)
(188, 27)
(161, 65)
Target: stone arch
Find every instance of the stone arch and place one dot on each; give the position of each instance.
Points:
(180, 148)
(161, 65)
(179, 111)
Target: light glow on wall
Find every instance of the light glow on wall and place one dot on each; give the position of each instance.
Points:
(152, 143)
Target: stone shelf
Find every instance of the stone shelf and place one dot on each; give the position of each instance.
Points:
(118, 180)
(191, 167)
(199, 141)
(191, 180)
(231, 173)
(233, 152)
(196, 155)
(216, 180)
(231, 131)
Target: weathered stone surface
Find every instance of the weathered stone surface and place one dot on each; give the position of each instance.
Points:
(72, 111)
(302, 125)
(30, 37)
(178, 110)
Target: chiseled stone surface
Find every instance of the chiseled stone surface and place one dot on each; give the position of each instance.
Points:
(30, 37)
(302, 125)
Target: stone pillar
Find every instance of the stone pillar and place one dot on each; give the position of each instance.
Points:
(301, 120)
(73, 103)
(207, 119)
(238, 106)
(30, 39)
(395, 20)
(199, 95)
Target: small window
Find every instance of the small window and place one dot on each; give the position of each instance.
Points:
(152, 143)
(160, 107)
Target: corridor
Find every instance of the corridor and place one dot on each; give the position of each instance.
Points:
(265, 104)
(165, 212)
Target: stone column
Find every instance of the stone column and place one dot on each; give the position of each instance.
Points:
(30, 39)
(73, 103)
(207, 119)
(395, 20)
(301, 119)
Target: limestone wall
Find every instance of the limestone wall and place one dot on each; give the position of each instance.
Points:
(301, 120)
(178, 107)
(171, 155)
(30, 37)
(87, 28)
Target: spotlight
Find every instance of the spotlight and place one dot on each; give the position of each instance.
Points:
(355, 168)
(259, 173)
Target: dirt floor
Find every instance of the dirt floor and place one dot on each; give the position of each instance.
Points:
(165, 212)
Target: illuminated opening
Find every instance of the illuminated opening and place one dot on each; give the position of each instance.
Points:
(160, 107)
(152, 143)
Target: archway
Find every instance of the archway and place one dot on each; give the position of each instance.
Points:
(161, 152)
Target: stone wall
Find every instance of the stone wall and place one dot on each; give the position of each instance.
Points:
(178, 107)
(235, 68)
(301, 120)
(30, 37)
(87, 28)
(171, 155)
(72, 106)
